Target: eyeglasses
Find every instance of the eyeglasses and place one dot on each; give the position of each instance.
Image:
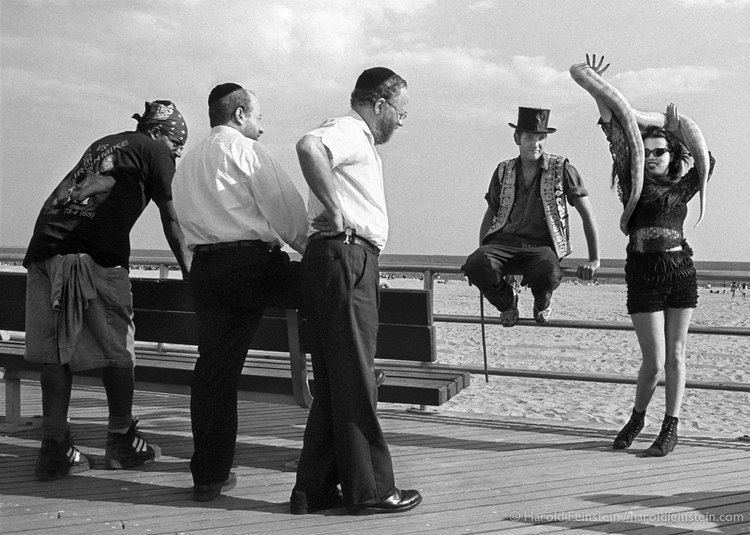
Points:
(401, 114)
(658, 153)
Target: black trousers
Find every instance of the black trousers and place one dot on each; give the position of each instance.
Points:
(539, 266)
(231, 287)
(343, 442)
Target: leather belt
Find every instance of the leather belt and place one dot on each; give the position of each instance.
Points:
(352, 239)
(514, 241)
(255, 244)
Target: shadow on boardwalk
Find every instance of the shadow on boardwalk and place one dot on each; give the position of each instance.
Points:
(478, 475)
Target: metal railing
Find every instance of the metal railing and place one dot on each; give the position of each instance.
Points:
(167, 264)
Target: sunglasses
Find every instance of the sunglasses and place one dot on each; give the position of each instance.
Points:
(658, 153)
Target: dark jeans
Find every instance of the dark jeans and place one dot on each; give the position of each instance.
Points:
(539, 266)
(343, 440)
(231, 288)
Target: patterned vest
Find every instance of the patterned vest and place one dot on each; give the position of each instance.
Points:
(553, 200)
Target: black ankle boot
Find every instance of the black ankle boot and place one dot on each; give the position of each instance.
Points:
(628, 433)
(667, 439)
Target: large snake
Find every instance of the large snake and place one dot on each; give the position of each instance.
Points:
(631, 119)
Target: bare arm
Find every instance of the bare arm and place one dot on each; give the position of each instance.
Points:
(316, 168)
(175, 238)
(604, 112)
(585, 210)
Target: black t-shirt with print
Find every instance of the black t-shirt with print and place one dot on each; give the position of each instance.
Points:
(100, 225)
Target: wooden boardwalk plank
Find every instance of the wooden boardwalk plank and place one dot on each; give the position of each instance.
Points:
(476, 474)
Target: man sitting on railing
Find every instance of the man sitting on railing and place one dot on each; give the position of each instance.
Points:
(525, 229)
(79, 312)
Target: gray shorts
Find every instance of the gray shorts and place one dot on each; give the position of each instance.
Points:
(107, 330)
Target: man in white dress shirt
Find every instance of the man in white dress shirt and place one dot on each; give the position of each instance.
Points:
(344, 444)
(237, 206)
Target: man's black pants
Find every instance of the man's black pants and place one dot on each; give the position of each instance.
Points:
(231, 287)
(487, 266)
(343, 441)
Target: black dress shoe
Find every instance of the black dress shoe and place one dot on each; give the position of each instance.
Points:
(398, 502)
(206, 493)
(379, 378)
(301, 502)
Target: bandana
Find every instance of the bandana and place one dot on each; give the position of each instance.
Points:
(164, 114)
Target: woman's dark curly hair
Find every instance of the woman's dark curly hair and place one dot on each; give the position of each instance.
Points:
(679, 151)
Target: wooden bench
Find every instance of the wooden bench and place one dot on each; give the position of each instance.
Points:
(277, 367)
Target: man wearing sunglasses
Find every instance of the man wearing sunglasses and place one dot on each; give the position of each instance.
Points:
(525, 229)
(79, 313)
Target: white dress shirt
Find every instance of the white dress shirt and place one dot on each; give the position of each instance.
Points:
(357, 177)
(230, 188)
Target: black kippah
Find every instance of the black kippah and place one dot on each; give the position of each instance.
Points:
(372, 78)
(221, 91)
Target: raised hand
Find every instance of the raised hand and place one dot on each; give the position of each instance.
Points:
(673, 119)
(598, 69)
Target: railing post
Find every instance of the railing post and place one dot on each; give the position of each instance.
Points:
(427, 279)
(163, 271)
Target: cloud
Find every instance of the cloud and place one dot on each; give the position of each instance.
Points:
(482, 5)
(715, 3)
(669, 80)
(66, 89)
(402, 7)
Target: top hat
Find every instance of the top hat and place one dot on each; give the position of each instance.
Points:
(533, 120)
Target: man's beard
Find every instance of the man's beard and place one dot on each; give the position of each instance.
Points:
(385, 130)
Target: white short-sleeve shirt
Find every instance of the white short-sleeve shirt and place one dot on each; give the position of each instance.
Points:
(230, 188)
(357, 178)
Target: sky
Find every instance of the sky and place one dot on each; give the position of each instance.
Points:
(72, 71)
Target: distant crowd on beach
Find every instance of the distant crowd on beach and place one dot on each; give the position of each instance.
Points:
(733, 287)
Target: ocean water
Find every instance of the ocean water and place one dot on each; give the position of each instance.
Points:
(10, 255)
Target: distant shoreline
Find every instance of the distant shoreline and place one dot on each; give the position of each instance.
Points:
(448, 260)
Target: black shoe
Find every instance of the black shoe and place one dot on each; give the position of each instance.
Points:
(302, 503)
(206, 493)
(129, 450)
(509, 316)
(628, 433)
(543, 301)
(667, 439)
(58, 459)
(379, 378)
(398, 502)
(503, 298)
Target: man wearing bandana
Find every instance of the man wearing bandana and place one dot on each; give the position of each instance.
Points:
(343, 443)
(79, 313)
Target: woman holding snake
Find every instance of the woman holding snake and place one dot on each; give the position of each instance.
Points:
(659, 272)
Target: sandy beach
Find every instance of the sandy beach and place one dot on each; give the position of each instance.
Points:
(709, 358)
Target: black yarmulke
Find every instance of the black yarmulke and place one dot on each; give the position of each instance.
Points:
(372, 78)
(221, 91)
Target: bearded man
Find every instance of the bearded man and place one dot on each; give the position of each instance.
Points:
(344, 444)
